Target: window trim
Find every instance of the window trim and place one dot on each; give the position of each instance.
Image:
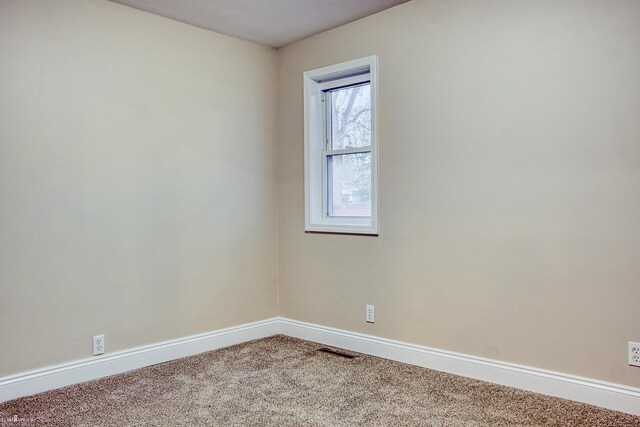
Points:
(315, 81)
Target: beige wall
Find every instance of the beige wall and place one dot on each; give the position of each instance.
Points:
(509, 184)
(137, 180)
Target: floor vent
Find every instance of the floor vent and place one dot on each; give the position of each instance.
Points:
(336, 353)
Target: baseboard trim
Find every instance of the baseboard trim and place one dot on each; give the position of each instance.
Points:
(39, 380)
(586, 390)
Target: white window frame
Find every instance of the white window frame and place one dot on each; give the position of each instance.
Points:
(315, 148)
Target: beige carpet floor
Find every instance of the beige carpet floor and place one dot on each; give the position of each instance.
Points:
(282, 381)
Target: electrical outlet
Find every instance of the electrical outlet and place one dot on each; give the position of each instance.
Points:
(634, 353)
(370, 315)
(98, 345)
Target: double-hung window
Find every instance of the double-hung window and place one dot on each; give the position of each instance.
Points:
(340, 148)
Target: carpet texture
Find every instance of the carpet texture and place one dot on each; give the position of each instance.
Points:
(282, 381)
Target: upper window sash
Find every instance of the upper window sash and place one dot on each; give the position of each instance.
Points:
(326, 92)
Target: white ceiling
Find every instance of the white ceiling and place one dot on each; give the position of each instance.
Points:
(269, 22)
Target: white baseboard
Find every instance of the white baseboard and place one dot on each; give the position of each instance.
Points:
(52, 377)
(594, 392)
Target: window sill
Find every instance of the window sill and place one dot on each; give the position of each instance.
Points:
(343, 233)
(336, 227)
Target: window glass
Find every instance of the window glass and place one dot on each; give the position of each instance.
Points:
(351, 117)
(349, 184)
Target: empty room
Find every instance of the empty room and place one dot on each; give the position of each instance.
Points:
(319, 213)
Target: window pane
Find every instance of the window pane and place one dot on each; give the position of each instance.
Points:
(351, 117)
(349, 184)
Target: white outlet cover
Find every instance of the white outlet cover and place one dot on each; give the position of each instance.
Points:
(370, 314)
(634, 353)
(98, 345)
